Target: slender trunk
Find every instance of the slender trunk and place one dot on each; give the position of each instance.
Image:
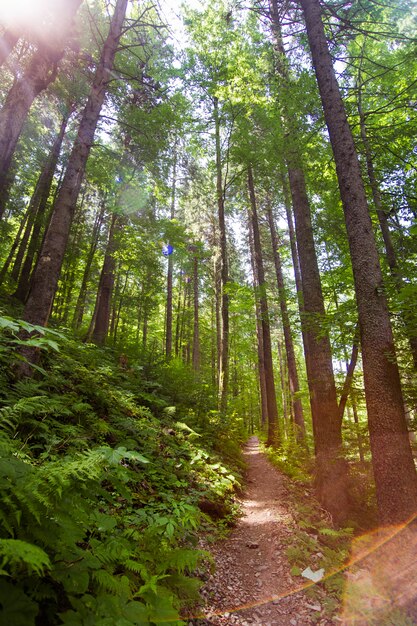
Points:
(187, 327)
(331, 484)
(283, 381)
(42, 70)
(357, 427)
(69, 289)
(145, 326)
(347, 385)
(80, 305)
(289, 345)
(183, 319)
(119, 296)
(295, 259)
(7, 42)
(5, 187)
(271, 400)
(196, 327)
(106, 284)
(178, 318)
(394, 470)
(213, 342)
(224, 271)
(15, 245)
(45, 280)
(259, 338)
(218, 298)
(38, 207)
(113, 316)
(23, 244)
(168, 330)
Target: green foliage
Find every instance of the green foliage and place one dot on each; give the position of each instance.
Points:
(100, 494)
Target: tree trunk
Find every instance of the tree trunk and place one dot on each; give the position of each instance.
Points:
(46, 276)
(42, 70)
(283, 381)
(295, 258)
(38, 206)
(224, 271)
(330, 467)
(196, 328)
(105, 289)
(168, 331)
(289, 345)
(357, 427)
(15, 245)
(259, 337)
(408, 317)
(394, 470)
(331, 470)
(80, 305)
(271, 399)
(347, 385)
(178, 318)
(6, 187)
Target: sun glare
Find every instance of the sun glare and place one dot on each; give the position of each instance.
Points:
(18, 14)
(44, 20)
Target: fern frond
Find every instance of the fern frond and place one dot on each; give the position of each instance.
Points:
(116, 585)
(14, 552)
(182, 559)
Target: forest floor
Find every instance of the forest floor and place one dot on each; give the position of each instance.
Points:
(252, 583)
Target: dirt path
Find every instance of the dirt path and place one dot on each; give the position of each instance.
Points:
(252, 583)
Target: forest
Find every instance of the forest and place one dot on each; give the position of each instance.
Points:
(208, 323)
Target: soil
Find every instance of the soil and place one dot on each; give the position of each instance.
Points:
(252, 583)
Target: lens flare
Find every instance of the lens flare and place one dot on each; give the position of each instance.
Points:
(20, 14)
(381, 575)
(37, 20)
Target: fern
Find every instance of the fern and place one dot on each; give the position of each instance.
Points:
(185, 560)
(15, 553)
(117, 585)
(99, 496)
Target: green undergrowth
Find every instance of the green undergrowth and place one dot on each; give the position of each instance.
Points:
(105, 484)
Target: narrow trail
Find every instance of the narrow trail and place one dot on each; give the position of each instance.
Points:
(252, 583)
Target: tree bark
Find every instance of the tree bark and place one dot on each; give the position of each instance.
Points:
(409, 318)
(224, 271)
(38, 207)
(347, 385)
(394, 470)
(330, 468)
(284, 391)
(80, 305)
(196, 326)
(105, 289)
(46, 276)
(300, 431)
(15, 245)
(259, 338)
(168, 331)
(271, 399)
